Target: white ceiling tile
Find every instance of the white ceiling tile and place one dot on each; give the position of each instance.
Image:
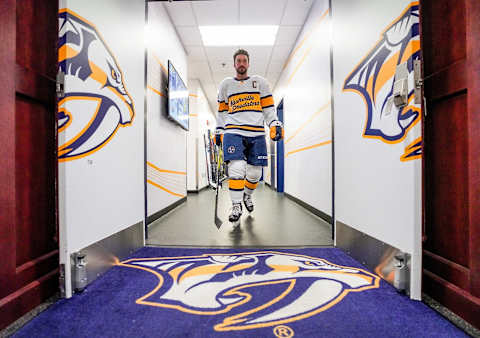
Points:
(217, 66)
(224, 12)
(224, 54)
(258, 53)
(181, 13)
(190, 35)
(265, 12)
(287, 35)
(296, 12)
(195, 53)
(281, 53)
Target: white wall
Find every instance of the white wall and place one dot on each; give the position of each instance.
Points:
(166, 141)
(305, 87)
(101, 142)
(376, 192)
(201, 120)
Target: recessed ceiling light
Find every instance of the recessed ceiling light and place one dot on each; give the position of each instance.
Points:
(237, 35)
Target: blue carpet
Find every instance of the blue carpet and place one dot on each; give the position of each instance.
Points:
(163, 292)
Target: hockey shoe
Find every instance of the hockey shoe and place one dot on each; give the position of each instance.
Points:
(236, 213)
(248, 202)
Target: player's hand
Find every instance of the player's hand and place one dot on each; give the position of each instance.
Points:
(218, 139)
(276, 130)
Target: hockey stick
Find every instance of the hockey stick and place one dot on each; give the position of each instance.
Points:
(218, 221)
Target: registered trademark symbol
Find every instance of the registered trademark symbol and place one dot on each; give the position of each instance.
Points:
(283, 331)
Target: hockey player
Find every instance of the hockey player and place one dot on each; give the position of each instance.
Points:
(245, 105)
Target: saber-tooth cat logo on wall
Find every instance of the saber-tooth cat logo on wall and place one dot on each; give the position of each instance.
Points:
(250, 290)
(373, 78)
(96, 102)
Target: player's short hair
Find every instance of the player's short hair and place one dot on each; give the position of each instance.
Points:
(241, 52)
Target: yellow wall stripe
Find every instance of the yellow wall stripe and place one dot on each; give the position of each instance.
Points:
(325, 106)
(164, 189)
(298, 66)
(236, 184)
(309, 147)
(166, 171)
(160, 63)
(305, 39)
(155, 91)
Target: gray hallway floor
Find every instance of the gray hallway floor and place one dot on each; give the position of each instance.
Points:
(276, 222)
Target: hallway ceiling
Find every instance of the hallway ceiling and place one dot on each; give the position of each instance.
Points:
(212, 64)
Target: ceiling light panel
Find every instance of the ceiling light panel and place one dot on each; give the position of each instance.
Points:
(239, 35)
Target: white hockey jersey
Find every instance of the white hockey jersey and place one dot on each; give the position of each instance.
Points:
(244, 106)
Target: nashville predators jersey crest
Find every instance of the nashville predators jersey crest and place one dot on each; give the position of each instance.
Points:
(373, 79)
(96, 101)
(233, 286)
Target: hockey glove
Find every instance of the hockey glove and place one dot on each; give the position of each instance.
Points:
(218, 139)
(276, 131)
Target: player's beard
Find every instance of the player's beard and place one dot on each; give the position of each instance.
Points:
(241, 70)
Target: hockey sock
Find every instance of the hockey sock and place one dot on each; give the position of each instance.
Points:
(253, 176)
(236, 182)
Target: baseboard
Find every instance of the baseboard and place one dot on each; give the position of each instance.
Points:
(158, 214)
(376, 255)
(310, 208)
(104, 254)
(197, 191)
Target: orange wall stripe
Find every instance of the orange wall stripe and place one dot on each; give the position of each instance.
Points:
(160, 63)
(164, 189)
(309, 147)
(166, 171)
(305, 39)
(298, 66)
(325, 106)
(155, 91)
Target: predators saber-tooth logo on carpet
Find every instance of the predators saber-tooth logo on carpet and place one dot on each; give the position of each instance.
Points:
(373, 78)
(250, 290)
(96, 102)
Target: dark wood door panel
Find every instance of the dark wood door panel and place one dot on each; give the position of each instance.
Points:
(450, 35)
(28, 175)
(447, 228)
(453, 297)
(34, 34)
(446, 32)
(446, 269)
(35, 180)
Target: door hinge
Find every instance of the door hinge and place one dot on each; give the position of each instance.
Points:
(418, 81)
(60, 84)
